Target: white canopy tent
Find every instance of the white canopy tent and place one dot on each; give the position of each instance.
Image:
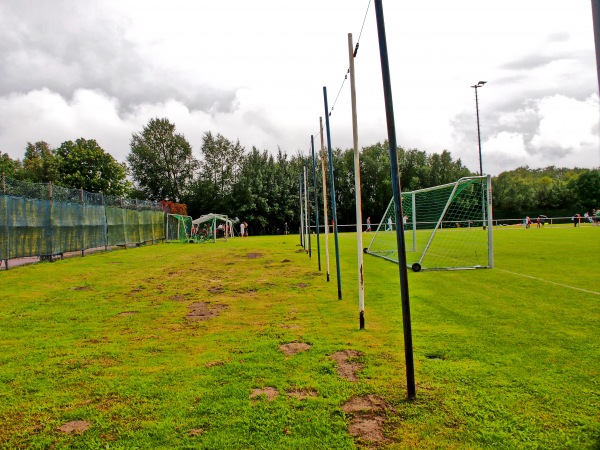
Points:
(213, 218)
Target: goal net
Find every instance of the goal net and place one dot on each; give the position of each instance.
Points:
(445, 227)
(179, 228)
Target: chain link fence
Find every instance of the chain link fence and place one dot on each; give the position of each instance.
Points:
(43, 220)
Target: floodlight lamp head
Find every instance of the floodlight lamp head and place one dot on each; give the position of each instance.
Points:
(481, 83)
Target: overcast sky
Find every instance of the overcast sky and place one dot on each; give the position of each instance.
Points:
(255, 71)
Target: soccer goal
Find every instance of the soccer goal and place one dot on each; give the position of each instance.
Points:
(446, 227)
(179, 228)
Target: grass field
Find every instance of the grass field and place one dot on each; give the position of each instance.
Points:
(178, 346)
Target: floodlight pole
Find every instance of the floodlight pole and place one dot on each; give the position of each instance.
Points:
(477, 86)
(332, 188)
(391, 128)
(312, 146)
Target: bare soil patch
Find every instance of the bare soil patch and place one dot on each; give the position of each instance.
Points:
(301, 394)
(294, 347)
(367, 419)
(195, 432)
(286, 261)
(75, 426)
(127, 313)
(200, 311)
(269, 392)
(83, 288)
(254, 255)
(178, 298)
(346, 367)
(216, 290)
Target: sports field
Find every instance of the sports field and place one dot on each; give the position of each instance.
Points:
(244, 345)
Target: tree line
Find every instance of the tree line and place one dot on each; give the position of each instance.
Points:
(263, 188)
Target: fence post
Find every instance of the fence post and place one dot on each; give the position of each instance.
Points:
(105, 221)
(7, 240)
(139, 225)
(81, 197)
(124, 222)
(50, 203)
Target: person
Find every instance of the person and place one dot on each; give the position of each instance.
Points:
(368, 224)
(242, 229)
(527, 222)
(576, 219)
(389, 224)
(285, 228)
(404, 220)
(246, 227)
(539, 222)
(596, 216)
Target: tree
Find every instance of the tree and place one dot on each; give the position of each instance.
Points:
(9, 167)
(40, 164)
(161, 161)
(84, 164)
(587, 189)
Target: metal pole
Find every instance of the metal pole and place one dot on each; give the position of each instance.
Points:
(332, 189)
(391, 128)
(490, 223)
(312, 145)
(325, 214)
(478, 131)
(306, 214)
(357, 190)
(301, 212)
(596, 21)
(82, 220)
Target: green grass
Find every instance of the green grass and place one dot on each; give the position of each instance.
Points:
(505, 358)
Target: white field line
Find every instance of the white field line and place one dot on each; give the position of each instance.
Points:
(550, 282)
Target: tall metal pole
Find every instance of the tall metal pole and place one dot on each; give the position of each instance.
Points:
(357, 190)
(391, 128)
(596, 21)
(301, 211)
(325, 213)
(312, 146)
(332, 189)
(306, 214)
(477, 86)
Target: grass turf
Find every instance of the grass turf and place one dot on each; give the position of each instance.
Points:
(505, 358)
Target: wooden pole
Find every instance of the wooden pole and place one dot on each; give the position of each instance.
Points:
(357, 190)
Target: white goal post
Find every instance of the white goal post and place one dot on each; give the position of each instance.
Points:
(446, 227)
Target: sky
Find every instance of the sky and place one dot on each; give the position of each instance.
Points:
(254, 71)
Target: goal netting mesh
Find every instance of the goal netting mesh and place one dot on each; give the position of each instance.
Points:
(445, 227)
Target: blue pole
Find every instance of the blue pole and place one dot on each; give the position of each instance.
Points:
(391, 128)
(332, 189)
(301, 213)
(312, 144)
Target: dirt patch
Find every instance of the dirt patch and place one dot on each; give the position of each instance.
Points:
(301, 285)
(294, 347)
(214, 363)
(200, 311)
(301, 394)
(269, 392)
(367, 419)
(75, 426)
(254, 255)
(127, 313)
(195, 432)
(345, 366)
(216, 290)
(178, 298)
(286, 261)
(83, 288)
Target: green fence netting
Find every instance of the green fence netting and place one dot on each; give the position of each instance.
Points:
(42, 219)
